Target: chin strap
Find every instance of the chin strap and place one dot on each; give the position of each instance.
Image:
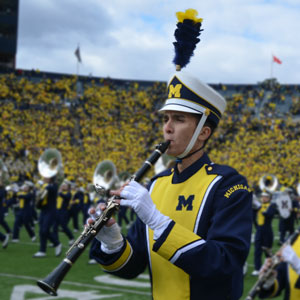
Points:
(191, 144)
(179, 160)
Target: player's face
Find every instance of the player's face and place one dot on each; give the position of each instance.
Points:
(178, 128)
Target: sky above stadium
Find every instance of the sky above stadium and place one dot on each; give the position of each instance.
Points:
(132, 39)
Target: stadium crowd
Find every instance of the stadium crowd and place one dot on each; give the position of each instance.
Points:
(97, 119)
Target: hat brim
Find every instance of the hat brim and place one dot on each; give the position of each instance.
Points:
(176, 107)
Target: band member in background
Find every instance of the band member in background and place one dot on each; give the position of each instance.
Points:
(194, 225)
(287, 220)
(3, 205)
(47, 204)
(286, 276)
(85, 205)
(264, 236)
(77, 196)
(25, 197)
(62, 210)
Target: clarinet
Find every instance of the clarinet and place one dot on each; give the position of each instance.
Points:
(275, 260)
(51, 283)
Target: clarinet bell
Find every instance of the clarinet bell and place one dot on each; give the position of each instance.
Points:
(51, 283)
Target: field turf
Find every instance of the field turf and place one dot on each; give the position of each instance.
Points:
(19, 273)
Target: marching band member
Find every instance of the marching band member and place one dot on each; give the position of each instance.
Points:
(193, 226)
(264, 232)
(75, 206)
(86, 203)
(62, 210)
(3, 204)
(47, 205)
(287, 220)
(286, 276)
(25, 197)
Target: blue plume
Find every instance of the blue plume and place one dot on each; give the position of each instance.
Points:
(186, 36)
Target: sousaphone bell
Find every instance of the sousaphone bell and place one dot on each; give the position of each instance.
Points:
(268, 183)
(105, 176)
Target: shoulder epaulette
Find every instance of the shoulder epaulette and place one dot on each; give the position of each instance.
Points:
(222, 170)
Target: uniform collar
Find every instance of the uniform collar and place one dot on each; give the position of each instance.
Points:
(191, 170)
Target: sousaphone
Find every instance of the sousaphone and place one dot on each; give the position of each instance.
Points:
(49, 166)
(268, 183)
(50, 163)
(105, 176)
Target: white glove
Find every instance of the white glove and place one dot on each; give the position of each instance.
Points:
(110, 236)
(138, 198)
(291, 257)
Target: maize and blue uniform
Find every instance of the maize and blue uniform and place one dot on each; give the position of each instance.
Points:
(201, 253)
(47, 217)
(287, 280)
(3, 205)
(264, 233)
(63, 214)
(85, 205)
(24, 215)
(288, 225)
(75, 208)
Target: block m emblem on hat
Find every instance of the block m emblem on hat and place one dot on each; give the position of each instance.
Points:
(174, 91)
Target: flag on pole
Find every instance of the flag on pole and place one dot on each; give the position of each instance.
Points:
(77, 54)
(277, 60)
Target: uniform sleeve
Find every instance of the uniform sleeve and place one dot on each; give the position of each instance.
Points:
(226, 246)
(131, 260)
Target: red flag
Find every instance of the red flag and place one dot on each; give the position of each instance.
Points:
(277, 60)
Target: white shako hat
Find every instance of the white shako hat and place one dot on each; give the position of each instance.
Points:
(187, 93)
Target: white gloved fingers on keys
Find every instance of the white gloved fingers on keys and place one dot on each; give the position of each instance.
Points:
(110, 236)
(138, 198)
(95, 215)
(290, 256)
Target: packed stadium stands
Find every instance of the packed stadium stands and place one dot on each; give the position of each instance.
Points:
(92, 119)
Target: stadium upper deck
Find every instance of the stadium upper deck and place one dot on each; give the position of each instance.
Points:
(269, 96)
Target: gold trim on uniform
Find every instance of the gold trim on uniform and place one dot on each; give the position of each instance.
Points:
(121, 261)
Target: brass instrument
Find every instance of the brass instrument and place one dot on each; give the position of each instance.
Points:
(105, 175)
(49, 165)
(51, 283)
(268, 183)
(275, 260)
